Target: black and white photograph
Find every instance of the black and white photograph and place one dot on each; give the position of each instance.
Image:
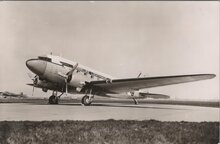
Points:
(109, 72)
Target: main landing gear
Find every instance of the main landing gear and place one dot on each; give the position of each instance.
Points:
(87, 99)
(54, 99)
(135, 101)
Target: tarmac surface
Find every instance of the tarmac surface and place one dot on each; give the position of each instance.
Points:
(104, 111)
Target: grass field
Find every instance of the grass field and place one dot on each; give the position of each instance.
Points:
(108, 132)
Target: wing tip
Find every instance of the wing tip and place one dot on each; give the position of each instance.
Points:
(210, 76)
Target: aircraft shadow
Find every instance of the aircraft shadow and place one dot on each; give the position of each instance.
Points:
(110, 105)
(131, 106)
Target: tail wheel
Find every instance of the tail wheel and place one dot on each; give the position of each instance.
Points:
(53, 100)
(86, 101)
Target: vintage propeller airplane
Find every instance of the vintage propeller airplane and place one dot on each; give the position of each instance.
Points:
(7, 94)
(61, 75)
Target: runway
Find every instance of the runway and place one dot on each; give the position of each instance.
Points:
(103, 111)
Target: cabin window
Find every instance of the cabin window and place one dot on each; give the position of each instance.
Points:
(66, 64)
(44, 58)
(91, 74)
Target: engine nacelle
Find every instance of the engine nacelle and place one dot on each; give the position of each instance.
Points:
(44, 84)
(78, 80)
(38, 82)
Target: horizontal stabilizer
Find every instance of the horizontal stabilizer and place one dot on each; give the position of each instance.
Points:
(153, 96)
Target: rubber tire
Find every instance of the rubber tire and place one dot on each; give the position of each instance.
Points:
(53, 100)
(85, 102)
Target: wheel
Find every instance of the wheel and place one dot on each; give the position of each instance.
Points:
(44, 89)
(53, 100)
(86, 101)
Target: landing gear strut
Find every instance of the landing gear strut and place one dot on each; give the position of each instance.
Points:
(87, 99)
(132, 94)
(135, 101)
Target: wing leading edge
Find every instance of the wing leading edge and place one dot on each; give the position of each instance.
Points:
(130, 84)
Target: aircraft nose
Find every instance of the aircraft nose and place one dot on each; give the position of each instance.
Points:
(36, 66)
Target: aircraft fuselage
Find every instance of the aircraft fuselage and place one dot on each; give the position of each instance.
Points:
(50, 73)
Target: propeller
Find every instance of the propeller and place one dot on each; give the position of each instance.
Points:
(68, 76)
(143, 76)
(139, 75)
(35, 80)
(32, 91)
(131, 93)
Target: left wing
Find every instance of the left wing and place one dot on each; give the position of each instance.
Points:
(125, 85)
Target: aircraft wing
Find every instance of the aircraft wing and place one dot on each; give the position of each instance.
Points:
(130, 84)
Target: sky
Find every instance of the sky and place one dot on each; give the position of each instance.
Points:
(121, 39)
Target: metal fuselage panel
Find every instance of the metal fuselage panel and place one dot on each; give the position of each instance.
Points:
(52, 74)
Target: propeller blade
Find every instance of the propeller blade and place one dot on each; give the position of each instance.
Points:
(31, 76)
(68, 76)
(143, 76)
(34, 79)
(72, 70)
(33, 91)
(66, 86)
(139, 75)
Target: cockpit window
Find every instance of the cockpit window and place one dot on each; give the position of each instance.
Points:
(44, 58)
